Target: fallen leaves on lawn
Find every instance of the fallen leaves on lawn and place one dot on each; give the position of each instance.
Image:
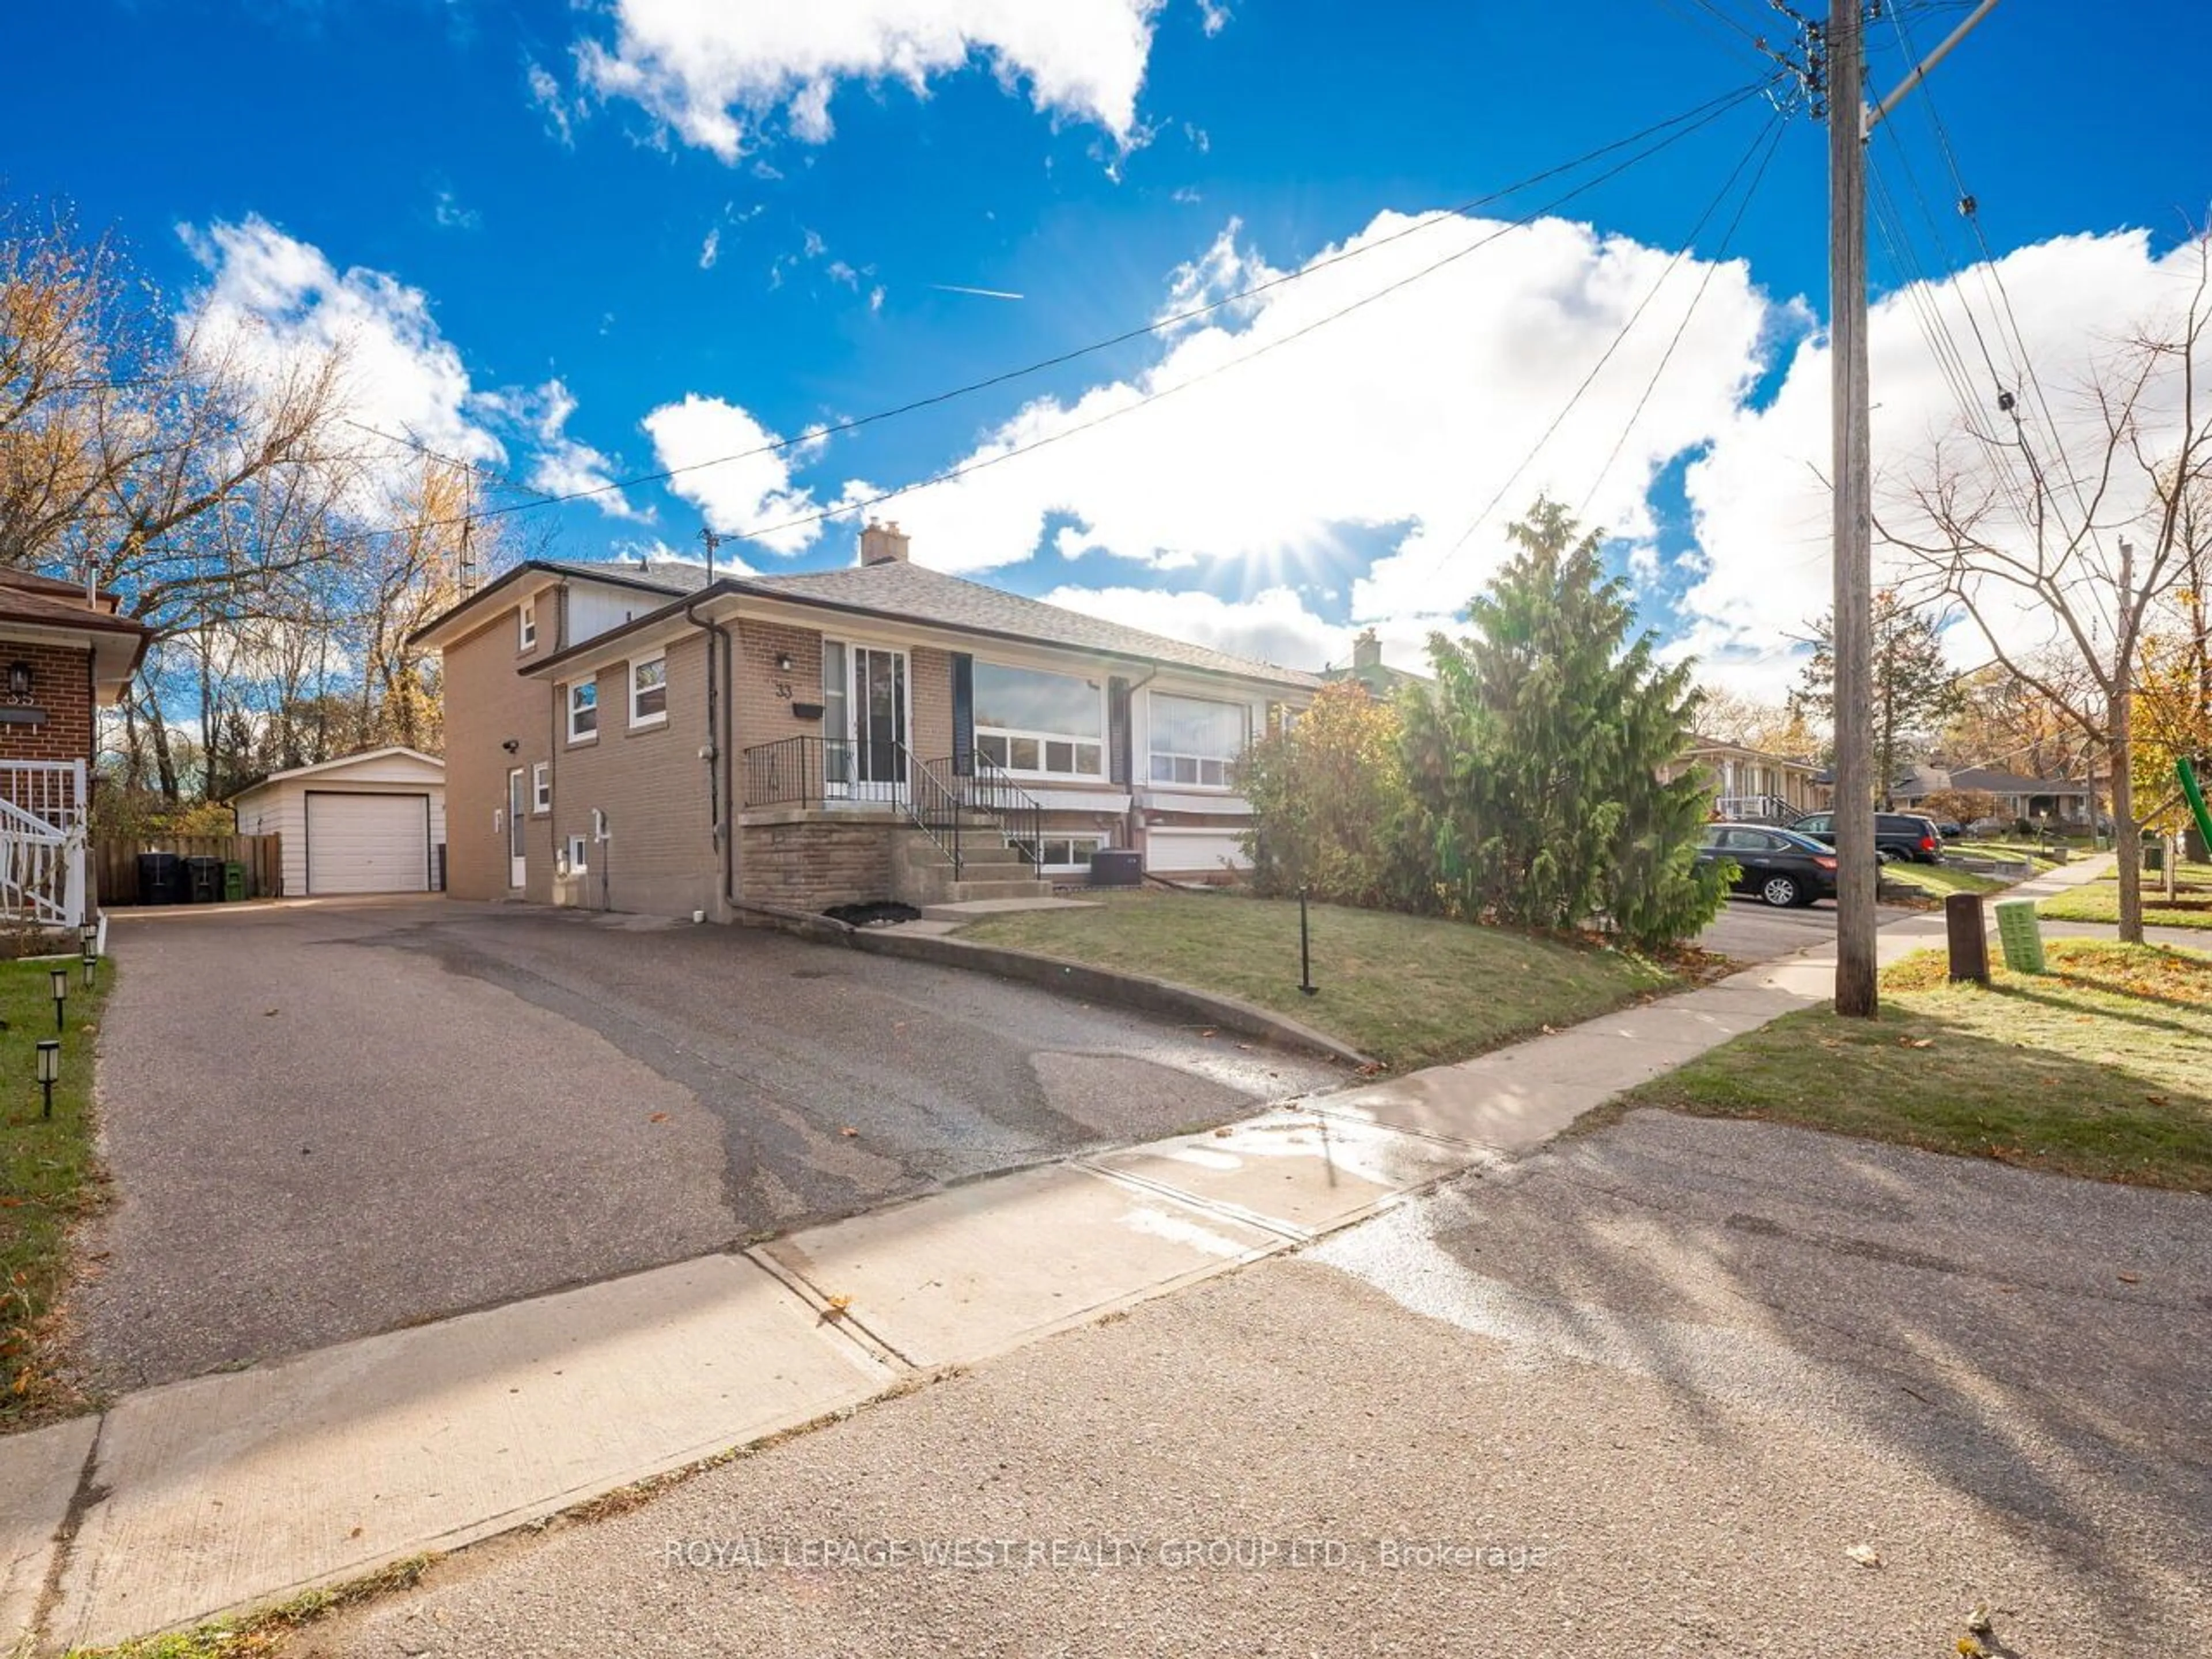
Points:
(849, 1131)
(658, 1117)
(2130, 1279)
(1916, 1042)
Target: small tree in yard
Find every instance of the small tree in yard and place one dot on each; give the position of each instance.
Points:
(1963, 805)
(1329, 805)
(1537, 763)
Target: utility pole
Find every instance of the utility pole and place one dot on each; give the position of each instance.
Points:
(711, 542)
(1857, 876)
(1834, 77)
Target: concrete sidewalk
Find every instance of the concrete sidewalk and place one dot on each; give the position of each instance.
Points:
(227, 1490)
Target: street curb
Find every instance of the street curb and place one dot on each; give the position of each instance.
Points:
(1077, 978)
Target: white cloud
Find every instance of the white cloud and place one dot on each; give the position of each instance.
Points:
(741, 497)
(450, 214)
(564, 466)
(1761, 499)
(1213, 16)
(711, 249)
(1273, 626)
(1397, 423)
(273, 302)
(546, 93)
(716, 71)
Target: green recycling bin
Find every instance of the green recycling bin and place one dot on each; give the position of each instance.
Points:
(2154, 852)
(233, 883)
(2018, 932)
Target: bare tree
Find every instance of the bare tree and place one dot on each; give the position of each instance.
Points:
(2090, 560)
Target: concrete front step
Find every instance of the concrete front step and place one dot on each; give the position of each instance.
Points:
(960, 891)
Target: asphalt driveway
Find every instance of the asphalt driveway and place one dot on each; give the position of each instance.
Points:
(329, 1119)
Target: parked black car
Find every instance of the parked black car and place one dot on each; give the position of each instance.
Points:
(1777, 865)
(1899, 835)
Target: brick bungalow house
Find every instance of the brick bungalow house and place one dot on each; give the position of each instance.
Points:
(633, 738)
(64, 654)
(1752, 786)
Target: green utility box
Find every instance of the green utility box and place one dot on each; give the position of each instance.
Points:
(233, 883)
(2018, 932)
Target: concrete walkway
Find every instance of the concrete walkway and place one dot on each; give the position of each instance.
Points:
(226, 1491)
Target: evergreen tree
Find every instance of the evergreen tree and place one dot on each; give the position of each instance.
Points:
(1914, 690)
(1538, 761)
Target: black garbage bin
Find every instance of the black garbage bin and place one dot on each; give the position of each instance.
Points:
(161, 878)
(202, 881)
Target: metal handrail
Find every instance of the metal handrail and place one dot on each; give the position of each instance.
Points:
(936, 798)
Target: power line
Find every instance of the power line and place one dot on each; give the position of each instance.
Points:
(1712, 266)
(1702, 116)
(1993, 275)
(1152, 398)
(1618, 339)
(1687, 121)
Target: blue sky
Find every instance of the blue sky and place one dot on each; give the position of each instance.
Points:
(745, 217)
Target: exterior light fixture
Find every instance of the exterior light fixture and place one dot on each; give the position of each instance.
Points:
(60, 977)
(90, 934)
(50, 1070)
(783, 662)
(19, 678)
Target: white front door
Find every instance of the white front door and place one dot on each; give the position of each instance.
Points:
(864, 721)
(517, 869)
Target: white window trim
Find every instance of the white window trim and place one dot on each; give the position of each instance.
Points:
(541, 788)
(527, 626)
(1153, 752)
(644, 722)
(1094, 839)
(1040, 738)
(569, 696)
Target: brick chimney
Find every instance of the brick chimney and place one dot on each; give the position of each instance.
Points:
(1367, 650)
(882, 543)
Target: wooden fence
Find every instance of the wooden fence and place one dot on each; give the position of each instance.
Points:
(114, 864)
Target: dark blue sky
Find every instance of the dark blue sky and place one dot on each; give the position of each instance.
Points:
(346, 123)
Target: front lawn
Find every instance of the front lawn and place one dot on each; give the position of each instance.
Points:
(1408, 990)
(2099, 900)
(48, 1173)
(1937, 881)
(2098, 1068)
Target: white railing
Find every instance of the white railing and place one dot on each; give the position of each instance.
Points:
(42, 842)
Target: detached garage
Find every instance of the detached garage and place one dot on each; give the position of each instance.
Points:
(372, 822)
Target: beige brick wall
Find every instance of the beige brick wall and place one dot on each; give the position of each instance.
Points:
(765, 693)
(487, 702)
(655, 791)
(929, 684)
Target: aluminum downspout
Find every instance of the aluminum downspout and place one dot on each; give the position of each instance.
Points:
(720, 693)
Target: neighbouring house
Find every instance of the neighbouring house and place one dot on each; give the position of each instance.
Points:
(2062, 802)
(371, 823)
(66, 652)
(1369, 669)
(1750, 786)
(632, 737)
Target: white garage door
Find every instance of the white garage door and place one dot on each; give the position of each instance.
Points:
(368, 844)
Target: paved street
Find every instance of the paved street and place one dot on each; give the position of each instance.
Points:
(1749, 932)
(328, 1120)
(1673, 1372)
